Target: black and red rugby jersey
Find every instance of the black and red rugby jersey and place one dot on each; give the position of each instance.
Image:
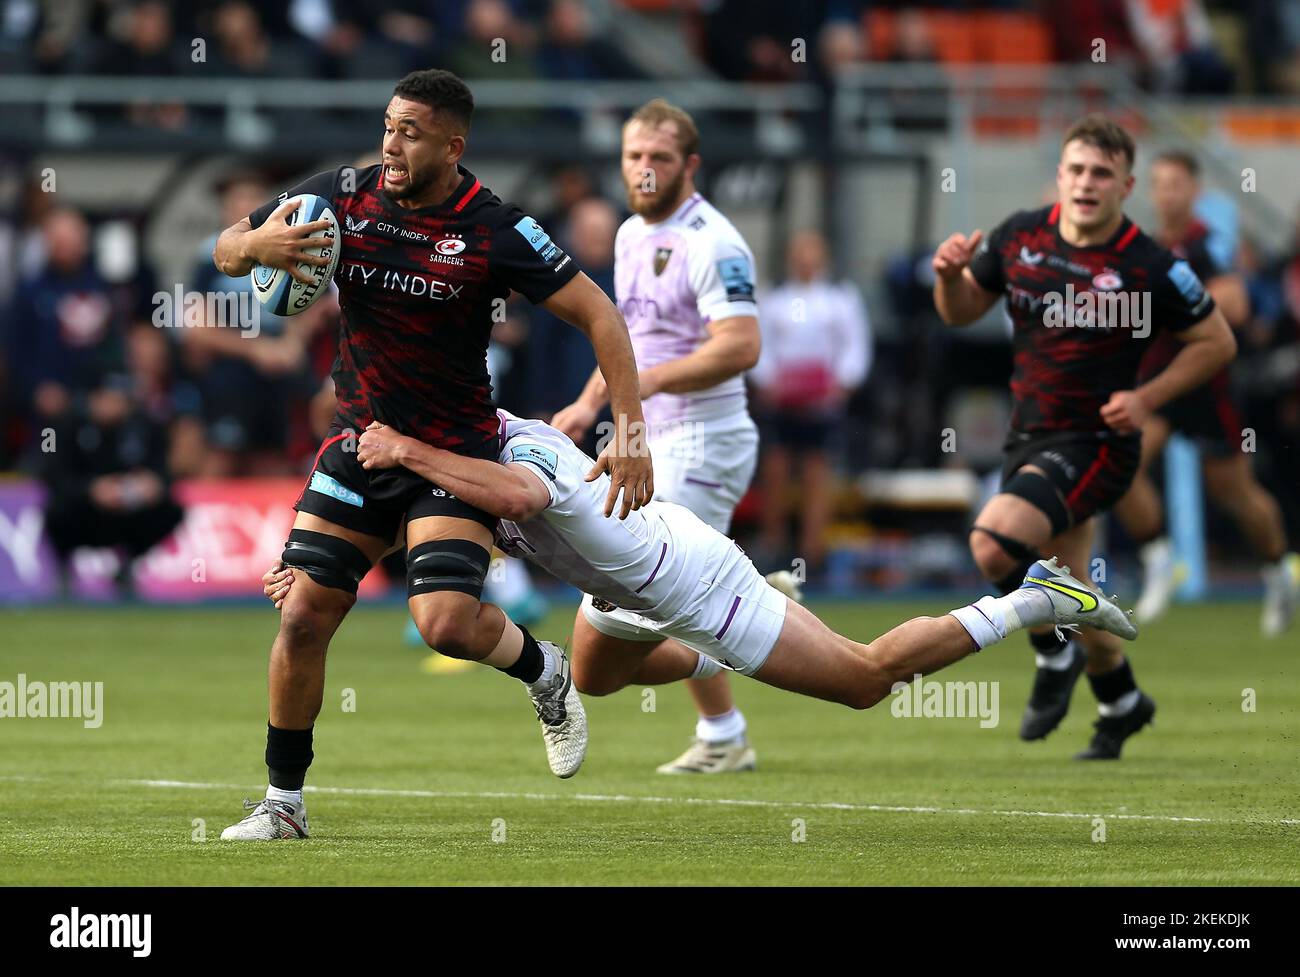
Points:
(418, 289)
(1194, 249)
(1067, 362)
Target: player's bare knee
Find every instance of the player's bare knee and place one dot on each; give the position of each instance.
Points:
(442, 573)
(449, 629)
(336, 567)
(993, 561)
(590, 681)
(303, 621)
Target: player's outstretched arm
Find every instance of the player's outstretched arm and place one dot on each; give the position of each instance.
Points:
(959, 298)
(626, 458)
(576, 419)
(732, 348)
(276, 244)
(505, 491)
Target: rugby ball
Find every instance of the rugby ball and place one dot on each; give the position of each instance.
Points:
(277, 290)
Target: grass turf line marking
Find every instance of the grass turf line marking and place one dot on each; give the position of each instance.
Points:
(707, 801)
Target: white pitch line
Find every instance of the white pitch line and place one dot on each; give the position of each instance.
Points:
(707, 801)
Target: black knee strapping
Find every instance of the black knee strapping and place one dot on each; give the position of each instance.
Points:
(1037, 489)
(1024, 555)
(447, 564)
(328, 560)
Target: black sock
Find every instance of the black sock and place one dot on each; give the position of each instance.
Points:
(288, 755)
(528, 669)
(1047, 643)
(1109, 686)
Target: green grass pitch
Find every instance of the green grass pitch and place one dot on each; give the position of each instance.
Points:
(443, 779)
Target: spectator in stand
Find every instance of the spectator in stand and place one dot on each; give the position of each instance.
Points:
(488, 22)
(107, 482)
(65, 335)
(573, 51)
(371, 38)
(1273, 42)
(164, 397)
(560, 358)
(816, 352)
(1077, 25)
(146, 48)
(755, 40)
(569, 184)
(240, 45)
(251, 381)
(1177, 45)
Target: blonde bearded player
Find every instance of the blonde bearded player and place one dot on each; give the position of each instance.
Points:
(684, 279)
(686, 592)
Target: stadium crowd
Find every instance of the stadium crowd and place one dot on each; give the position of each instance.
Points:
(84, 357)
(1187, 46)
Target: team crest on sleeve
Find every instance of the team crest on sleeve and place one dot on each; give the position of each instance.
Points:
(737, 279)
(1185, 280)
(541, 242)
(537, 456)
(662, 256)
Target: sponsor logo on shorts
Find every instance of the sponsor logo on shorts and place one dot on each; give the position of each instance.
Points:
(322, 483)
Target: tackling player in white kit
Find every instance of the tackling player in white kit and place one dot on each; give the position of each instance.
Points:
(684, 593)
(684, 280)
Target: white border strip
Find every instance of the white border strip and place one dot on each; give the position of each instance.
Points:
(707, 801)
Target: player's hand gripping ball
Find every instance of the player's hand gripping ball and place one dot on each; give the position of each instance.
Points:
(303, 277)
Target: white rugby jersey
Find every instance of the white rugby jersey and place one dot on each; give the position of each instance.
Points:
(634, 563)
(673, 278)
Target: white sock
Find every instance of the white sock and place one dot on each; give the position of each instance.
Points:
(1157, 553)
(720, 729)
(1123, 704)
(1059, 662)
(706, 667)
(1279, 569)
(990, 619)
(507, 583)
(550, 664)
(293, 797)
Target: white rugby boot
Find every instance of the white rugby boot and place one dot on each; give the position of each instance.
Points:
(784, 581)
(1162, 575)
(1281, 594)
(270, 821)
(1074, 603)
(561, 715)
(731, 756)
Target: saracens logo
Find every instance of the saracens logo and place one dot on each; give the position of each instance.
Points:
(1108, 281)
(450, 245)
